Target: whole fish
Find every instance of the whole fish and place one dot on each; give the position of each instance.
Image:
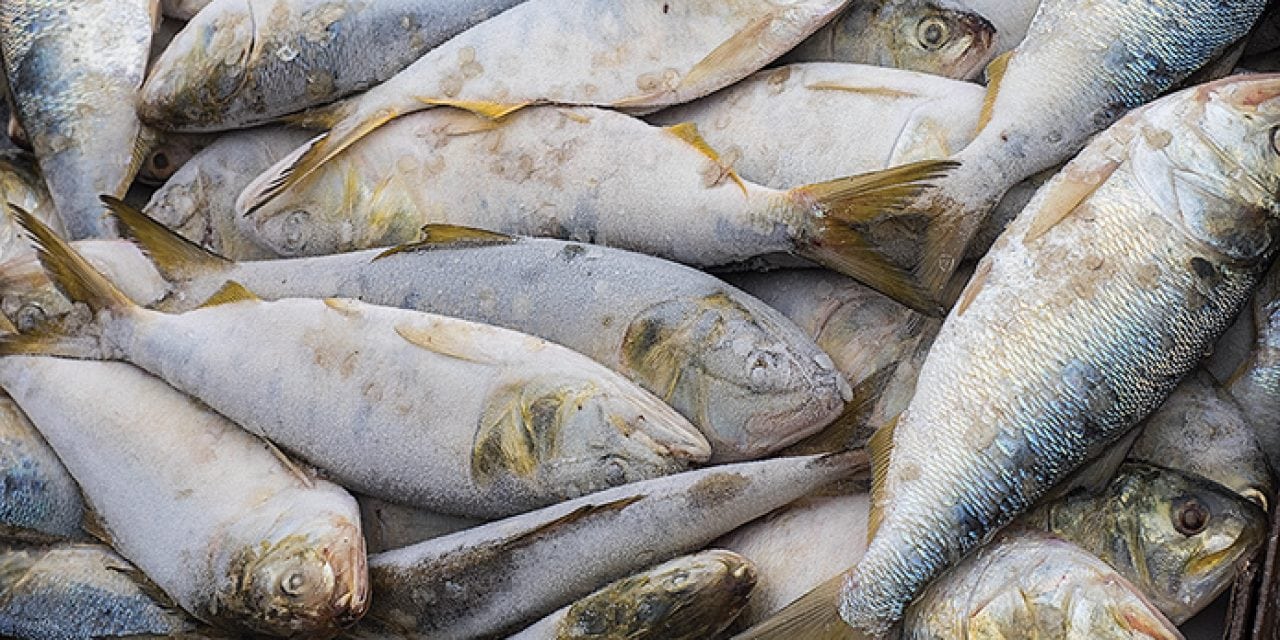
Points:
(688, 598)
(919, 35)
(74, 591)
(421, 409)
(1108, 288)
(390, 526)
(38, 499)
(212, 515)
(1177, 536)
(21, 184)
(494, 578)
(1035, 587)
(636, 54)
(198, 200)
(557, 172)
(74, 69)
(182, 9)
(1082, 65)
(1256, 382)
(750, 380)
(240, 63)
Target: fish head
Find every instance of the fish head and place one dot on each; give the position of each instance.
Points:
(688, 598)
(1210, 159)
(1187, 537)
(204, 68)
(918, 35)
(309, 584)
(571, 435)
(738, 375)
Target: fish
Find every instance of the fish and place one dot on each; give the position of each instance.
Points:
(182, 9)
(1084, 316)
(229, 531)
(689, 598)
(74, 69)
(1035, 587)
(41, 503)
(72, 591)
(1178, 537)
(491, 421)
(22, 184)
(241, 63)
(1011, 18)
(198, 200)
(493, 579)
(1202, 430)
(389, 526)
(557, 172)
(750, 380)
(1080, 68)
(1255, 384)
(918, 35)
(640, 55)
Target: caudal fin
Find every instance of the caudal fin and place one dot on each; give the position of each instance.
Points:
(865, 226)
(813, 616)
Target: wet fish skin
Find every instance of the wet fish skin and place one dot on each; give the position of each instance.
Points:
(74, 68)
(688, 598)
(1256, 382)
(40, 500)
(240, 63)
(74, 591)
(918, 35)
(487, 580)
(1019, 587)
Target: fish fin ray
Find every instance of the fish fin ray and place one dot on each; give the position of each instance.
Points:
(881, 449)
(173, 255)
(846, 430)
(731, 52)
(971, 290)
(688, 132)
(813, 616)
(230, 293)
(1063, 196)
(577, 515)
(482, 108)
(449, 236)
(72, 274)
(995, 75)
(445, 343)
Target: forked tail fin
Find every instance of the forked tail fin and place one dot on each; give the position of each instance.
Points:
(813, 616)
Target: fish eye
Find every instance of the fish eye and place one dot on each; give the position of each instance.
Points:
(292, 585)
(1190, 517)
(295, 229)
(30, 316)
(933, 33)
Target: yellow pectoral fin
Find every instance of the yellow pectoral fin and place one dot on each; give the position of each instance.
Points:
(813, 616)
(448, 236)
(688, 132)
(174, 256)
(230, 293)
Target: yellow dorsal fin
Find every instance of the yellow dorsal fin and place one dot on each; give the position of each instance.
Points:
(490, 110)
(995, 75)
(174, 256)
(881, 449)
(1063, 195)
(882, 92)
(813, 616)
(449, 236)
(231, 292)
(688, 132)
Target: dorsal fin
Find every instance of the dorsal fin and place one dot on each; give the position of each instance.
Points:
(813, 616)
(688, 132)
(995, 75)
(174, 256)
(230, 292)
(450, 236)
(881, 449)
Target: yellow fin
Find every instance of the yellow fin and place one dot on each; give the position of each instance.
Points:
(75, 277)
(449, 236)
(881, 448)
(490, 110)
(859, 227)
(995, 75)
(688, 132)
(1064, 195)
(584, 512)
(322, 117)
(6, 326)
(174, 256)
(230, 293)
(450, 343)
(883, 92)
(297, 471)
(740, 50)
(813, 616)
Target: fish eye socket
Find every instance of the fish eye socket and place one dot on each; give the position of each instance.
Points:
(292, 585)
(1190, 517)
(933, 33)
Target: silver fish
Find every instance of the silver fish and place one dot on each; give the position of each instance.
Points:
(39, 501)
(1256, 382)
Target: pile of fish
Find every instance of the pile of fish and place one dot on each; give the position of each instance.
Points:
(639, 318)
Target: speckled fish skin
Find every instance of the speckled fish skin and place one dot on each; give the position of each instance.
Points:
(1202, 430)
(1081, 66)
(71, 592)
(918, 35)
(387, 525)
(1178, 537)
(493, 578)
(74, 68)
(22, 184)
(1035, 587)
(1040, 365)
(240, 63)
(206, 510)
(198, 200)
(38, 499)
(688, 598)
(1256, 383)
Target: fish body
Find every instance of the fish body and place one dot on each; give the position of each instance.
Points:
(1041, 365)
(240, 63)
(688, 598)
(22, 184)
(493, 578)
(38, 498)
(1256, 382)
(74, 591)
(919, 35)
(74, 69)
(206, 510)
(390, 526)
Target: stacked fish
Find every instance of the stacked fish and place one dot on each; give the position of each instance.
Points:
(636, 319)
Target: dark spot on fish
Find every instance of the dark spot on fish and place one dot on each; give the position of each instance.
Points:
(666, 8)
(716, 488)
(1203, 269)
(572, 252)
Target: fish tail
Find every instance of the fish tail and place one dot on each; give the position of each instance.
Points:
(813, 616)
(870, 228)
(173, 255)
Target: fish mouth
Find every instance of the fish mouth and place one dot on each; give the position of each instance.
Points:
(350, 565)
